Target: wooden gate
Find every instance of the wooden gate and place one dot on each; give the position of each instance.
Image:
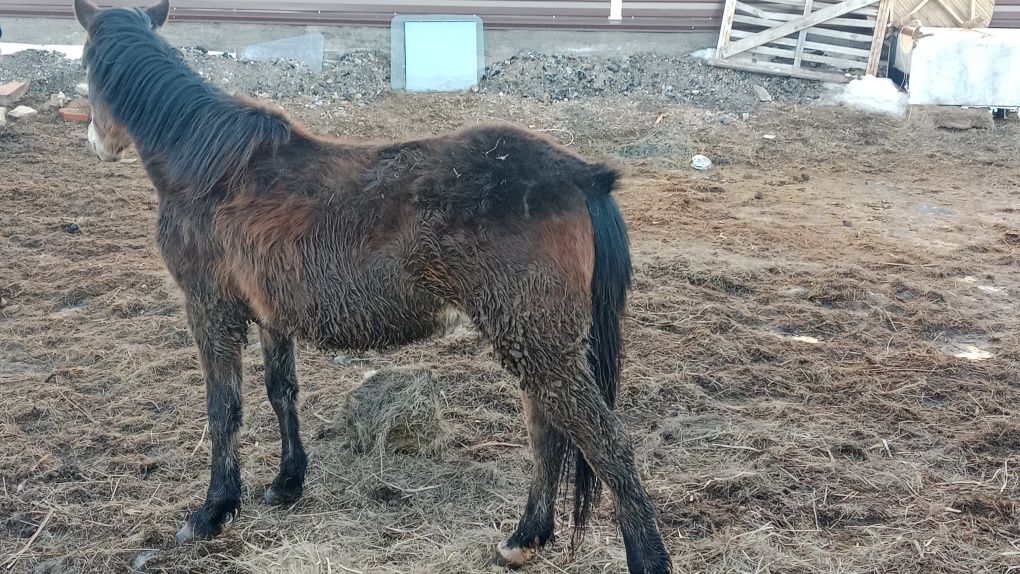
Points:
(813, 39)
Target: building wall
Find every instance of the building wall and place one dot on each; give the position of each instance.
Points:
(651, 15)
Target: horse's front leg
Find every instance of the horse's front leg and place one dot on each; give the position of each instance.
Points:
(219, 330)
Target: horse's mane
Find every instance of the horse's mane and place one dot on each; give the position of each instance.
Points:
(202, 134)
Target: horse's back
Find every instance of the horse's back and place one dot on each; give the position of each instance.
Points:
(496, 172)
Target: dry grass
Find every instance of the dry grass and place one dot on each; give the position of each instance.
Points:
(791, 382)
(395, 411)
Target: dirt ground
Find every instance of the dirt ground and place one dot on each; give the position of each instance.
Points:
(822, 372)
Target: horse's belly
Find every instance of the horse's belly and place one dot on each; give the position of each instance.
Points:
(374, 324)
(336, 293)
(361, 316)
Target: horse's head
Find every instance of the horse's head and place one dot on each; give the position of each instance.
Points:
(107, 138)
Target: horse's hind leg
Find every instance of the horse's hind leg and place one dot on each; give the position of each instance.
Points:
(219, 330)
(597, 431)
(537, 525)
(557, 378)
(282, 388)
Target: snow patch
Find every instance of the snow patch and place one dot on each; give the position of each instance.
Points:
(69, 51)
(871, 94)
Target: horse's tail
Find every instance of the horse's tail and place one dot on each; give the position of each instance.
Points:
(609, 284)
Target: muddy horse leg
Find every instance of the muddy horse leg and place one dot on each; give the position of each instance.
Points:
(282, 388)
(537, 525)
(595, 429)
(563, 401)
(219, 332)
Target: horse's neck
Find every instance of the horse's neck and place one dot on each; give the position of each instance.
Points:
(214, 145)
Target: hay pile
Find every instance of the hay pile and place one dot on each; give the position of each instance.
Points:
(395, 410)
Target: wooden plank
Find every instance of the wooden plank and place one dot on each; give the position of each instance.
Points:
(866, 11)
(795, 26)
(793, 3)
(729, 12)
(809, 45)
(787, 17)
(759, 13)
(780, 70)
(834, 22)
(948, 7)
(814, 20)
(801, 38)
(838, 63)
(945, 13)
(851, 36)
(884, 13)
(818, 31)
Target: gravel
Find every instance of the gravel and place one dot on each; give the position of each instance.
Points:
(364, 76)
(684, 80)
(348, 76)
(49, 73)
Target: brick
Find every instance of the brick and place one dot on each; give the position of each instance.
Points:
(3, 117)
(22, 113)
(73, 114)
(11, 92)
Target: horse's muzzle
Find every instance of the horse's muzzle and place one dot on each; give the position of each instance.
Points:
(96, 146)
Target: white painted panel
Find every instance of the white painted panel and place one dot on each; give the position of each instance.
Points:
(957, 67)
(615, 9)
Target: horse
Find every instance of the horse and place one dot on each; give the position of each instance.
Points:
(357, 245)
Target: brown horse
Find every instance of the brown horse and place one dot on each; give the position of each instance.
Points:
(359, 246)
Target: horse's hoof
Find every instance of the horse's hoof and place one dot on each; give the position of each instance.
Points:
(499, 564)
(649, 559)
(275, 497)
(207, 522)
(509, 558)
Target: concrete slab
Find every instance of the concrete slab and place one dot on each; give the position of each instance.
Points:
(960, 67)
(22, 113)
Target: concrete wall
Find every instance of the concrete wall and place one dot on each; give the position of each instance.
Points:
(499, 44)
(662, 15)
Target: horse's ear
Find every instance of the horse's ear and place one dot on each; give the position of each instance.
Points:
(159, 13)
(85, 11)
